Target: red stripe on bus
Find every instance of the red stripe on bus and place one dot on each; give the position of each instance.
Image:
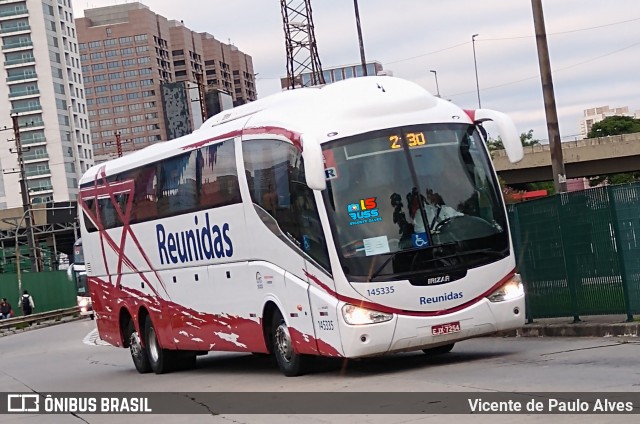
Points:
(377, 307)
(293, 136)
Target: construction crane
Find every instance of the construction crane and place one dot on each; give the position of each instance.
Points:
(300, 39)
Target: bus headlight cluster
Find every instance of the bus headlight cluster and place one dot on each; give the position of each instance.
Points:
(356, 315)
(510, 290)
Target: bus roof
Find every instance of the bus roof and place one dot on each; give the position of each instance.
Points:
(337, 110)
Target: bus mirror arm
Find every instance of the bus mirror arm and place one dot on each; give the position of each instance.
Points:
(70, 273)
(313, 163)
(506, 128)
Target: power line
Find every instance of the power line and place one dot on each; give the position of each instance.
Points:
(564, 32)
(429, 53)
(490, 39)
(554, 71)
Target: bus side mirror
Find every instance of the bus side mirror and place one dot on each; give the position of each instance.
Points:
(313, 163)
(506, 128)
(70, 273)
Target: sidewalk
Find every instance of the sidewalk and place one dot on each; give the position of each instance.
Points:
(589, 326)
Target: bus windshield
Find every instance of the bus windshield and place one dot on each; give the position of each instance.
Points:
(413, 200)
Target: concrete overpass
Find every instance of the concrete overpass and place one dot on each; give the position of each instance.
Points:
(582, 158)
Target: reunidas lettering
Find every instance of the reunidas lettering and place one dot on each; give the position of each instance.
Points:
(205, 242)
(441, 298)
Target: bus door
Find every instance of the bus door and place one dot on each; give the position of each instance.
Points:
(323, 309)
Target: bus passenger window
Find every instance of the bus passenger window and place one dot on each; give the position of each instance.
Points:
(217, 176)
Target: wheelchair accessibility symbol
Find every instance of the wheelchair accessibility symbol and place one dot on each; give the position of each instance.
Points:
(420, 240)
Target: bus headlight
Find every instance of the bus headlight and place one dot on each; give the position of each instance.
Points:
(355, 315)
(83, 302)
(509, 290)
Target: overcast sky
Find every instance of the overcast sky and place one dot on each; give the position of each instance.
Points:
(594, 47)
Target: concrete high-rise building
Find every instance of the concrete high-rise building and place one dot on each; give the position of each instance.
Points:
(597, 114)
(140, 68)
(43, 87)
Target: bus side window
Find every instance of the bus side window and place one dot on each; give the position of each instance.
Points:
(144, 198)
(91, 206)
(217, 175)
(308, 226)
(275, 174)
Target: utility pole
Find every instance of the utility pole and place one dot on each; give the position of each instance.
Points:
(118, 144)
(557, 162)
(202, 94)
(26, 201)
(361, 43)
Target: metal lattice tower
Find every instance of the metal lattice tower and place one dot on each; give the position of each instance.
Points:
(300, 39)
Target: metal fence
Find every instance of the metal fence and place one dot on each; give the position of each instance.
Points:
(50, 290)
(579, 252)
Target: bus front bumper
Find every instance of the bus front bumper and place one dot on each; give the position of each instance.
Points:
(410, 333)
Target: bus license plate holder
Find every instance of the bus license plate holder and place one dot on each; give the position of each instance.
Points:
(448, 328)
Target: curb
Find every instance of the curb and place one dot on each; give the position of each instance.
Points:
(42, 324)
(626, 329)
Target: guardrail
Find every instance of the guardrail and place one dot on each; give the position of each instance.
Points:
(9, 323)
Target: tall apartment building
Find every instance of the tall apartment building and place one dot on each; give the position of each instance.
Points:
(138, 67)
(43, 87)
(597, 114)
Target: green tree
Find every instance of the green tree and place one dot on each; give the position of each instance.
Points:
(526, 138)
(624, 178)
(614, 125)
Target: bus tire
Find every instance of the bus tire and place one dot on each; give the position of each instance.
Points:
(161, 360)
(290, 363)
(440, 350)
(138, 352)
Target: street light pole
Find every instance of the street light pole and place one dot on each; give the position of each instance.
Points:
(475, 65)
(361, 43)
(435, 74)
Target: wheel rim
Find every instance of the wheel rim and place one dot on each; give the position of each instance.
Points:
(154, 349)
(135, 346)
(283, 342)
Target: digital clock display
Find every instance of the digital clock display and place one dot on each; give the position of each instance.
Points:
(414, 139)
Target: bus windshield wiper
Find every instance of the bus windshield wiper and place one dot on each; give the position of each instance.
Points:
(487, 251)
(384, 264)
(435, 259)
(415, 251)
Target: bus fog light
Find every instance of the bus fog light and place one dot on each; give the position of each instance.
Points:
(355, 315)
(512, 289)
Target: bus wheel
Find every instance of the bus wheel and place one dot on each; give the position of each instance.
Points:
(138, 352)
(290, 363)
(161, 360)
(440, 350)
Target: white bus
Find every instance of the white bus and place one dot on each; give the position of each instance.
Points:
(357, 219)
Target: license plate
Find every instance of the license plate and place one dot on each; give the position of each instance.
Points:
(448, 328)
